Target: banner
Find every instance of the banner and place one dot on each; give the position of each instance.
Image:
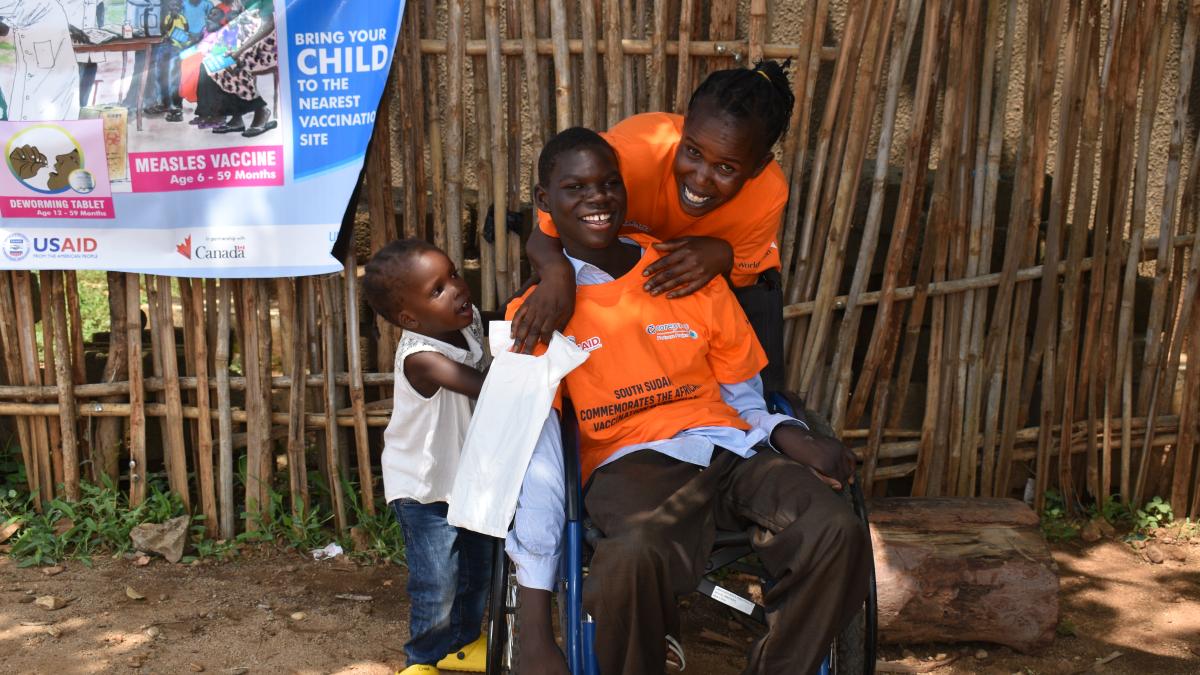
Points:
(195, 138)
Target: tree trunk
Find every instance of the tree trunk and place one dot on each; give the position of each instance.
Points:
(960, 570)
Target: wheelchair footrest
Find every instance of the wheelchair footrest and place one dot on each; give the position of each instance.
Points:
(732, 600)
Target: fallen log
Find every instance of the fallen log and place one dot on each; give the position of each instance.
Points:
(963, 570)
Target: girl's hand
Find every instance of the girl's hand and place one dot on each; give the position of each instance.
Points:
(546, 310)
(689, 264)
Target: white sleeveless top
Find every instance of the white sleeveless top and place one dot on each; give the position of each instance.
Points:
(424, 437)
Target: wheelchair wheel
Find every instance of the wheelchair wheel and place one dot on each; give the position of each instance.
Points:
(503, 657)
(853, 650)
(848, 655)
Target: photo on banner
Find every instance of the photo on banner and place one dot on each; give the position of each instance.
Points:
(197, 138)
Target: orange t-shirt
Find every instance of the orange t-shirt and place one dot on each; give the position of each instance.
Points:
(645, 146)
(655, 365)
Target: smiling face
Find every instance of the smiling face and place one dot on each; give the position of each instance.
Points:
(717, 154)
(585, 196)
(434, 299)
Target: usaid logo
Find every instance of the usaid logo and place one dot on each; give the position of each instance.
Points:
(17, 247)
(588, 345)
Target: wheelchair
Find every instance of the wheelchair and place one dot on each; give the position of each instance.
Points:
(853, 651)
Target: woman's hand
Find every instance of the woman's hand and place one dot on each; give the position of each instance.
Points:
(827, 457)
(689, 264)
(546, 310)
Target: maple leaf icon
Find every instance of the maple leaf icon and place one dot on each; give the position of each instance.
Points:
(185, 249)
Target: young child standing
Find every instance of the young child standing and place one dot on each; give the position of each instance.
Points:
(166, 61)
(439, 364)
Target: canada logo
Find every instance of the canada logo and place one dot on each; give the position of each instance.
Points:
(185, 249)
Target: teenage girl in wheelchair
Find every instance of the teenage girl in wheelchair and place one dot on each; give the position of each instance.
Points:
(657, 505)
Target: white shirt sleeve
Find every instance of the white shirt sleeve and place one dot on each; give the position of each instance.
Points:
(535, 543)
(747, 399)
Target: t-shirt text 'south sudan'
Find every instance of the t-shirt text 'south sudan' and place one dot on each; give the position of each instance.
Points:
(655, 364)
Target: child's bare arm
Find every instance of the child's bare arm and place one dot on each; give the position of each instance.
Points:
(429, 371)
(552, 303)
(689, 264)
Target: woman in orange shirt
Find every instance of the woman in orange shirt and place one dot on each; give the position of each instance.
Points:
(705, 184)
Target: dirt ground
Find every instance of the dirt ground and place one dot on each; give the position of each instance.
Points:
(272, 611)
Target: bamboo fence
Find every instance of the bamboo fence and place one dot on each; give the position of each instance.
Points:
(990, 252)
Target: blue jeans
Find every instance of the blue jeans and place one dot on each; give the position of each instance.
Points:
(449, 573)
(167, 75)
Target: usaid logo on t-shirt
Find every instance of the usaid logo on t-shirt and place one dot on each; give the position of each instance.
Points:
(670, 331)
(589, 345)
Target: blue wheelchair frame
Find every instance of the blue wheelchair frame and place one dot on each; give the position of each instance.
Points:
(579, 629)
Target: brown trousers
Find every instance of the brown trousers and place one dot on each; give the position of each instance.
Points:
(659, 517)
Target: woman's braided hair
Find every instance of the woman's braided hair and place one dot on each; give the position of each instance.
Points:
(760, 95)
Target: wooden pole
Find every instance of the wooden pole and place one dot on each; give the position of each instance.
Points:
(66, 394)
(49, 376)
(805, 83)
(483, 170)
(362, 444)
(848, 334)
(225, 494)
(257, 427)
(137, 399)
(912, 190)
(589, 91)
(297, 404)
(757, 34)
(455, 68)
(204, 445)
(23, 298)
(879, 20)
(332, 452)
(562, 65)
(614, 70)
(533, 86)
(174, 449)
(513, 130)
(847, 58)
(1152, 85)
(16, 375)
(498, 147)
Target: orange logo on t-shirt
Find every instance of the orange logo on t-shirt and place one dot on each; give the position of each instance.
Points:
(670, 331)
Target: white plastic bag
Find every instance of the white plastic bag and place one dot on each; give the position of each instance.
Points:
(512, 406)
